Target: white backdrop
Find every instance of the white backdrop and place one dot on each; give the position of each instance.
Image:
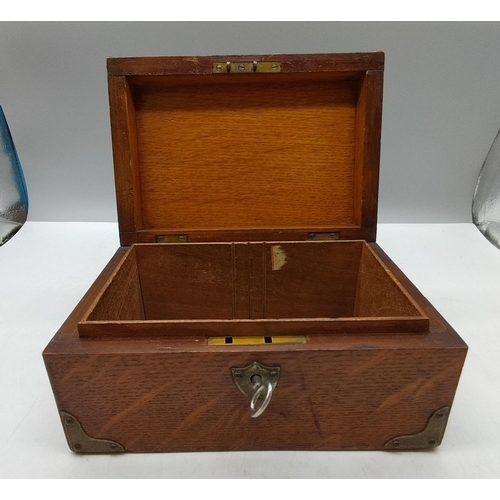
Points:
(441, 103)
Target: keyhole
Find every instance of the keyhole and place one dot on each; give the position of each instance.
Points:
(256, 380)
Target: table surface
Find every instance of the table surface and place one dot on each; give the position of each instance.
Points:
(47, 267)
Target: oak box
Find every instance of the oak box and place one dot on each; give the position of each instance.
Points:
(249, 306)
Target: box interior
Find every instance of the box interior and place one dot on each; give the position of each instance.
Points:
(209, 288)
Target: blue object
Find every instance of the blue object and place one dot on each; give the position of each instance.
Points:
(13, 192)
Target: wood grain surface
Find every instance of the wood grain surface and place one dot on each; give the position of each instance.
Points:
(187, 401)
(246, 155)
(378, 293)
(367, 149)
(186, 281)
(121, 297)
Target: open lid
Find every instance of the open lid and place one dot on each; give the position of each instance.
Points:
(246, 148)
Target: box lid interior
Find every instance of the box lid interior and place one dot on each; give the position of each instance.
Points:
(290, 153)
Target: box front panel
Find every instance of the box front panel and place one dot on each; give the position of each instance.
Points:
(187, 401)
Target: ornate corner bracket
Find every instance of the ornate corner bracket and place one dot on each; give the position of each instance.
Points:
(80, 442)
(430, 437)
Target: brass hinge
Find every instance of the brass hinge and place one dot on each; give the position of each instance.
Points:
(171, 238)
(323, 236)
(246, 67)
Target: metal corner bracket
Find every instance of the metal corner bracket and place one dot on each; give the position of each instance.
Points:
(80, 442)
(430, 437)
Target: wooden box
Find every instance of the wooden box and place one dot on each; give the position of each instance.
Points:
(249, 306)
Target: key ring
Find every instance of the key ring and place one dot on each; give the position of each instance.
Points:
(268, 389)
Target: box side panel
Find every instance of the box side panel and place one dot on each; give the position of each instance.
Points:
(123, 133)
(367, 152)
(121, 298)
(378, 294)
